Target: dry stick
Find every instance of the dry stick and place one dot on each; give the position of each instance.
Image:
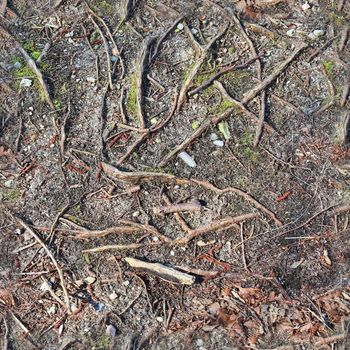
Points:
(169, 274)
(59, 270)
(163, 37)
(106, 47)
(214, 226)
(193, 205)
(203, 56)
(102, 233)
(183, 224)
(32, 65)
(243, 249)
(141, 65)
(145, 227)
(120, 247)
(251, 94)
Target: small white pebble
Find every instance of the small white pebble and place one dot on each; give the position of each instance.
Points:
(111, 331)
(126, 283)
(213, 136)
(113, 295)
(160, 319)
(91, 80)
(187, 159)
(172, 253)
(305, 6)
(180, 26)
(218, 143)
(135, 214)
(155, 239)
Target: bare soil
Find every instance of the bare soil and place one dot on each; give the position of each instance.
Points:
(120, 79)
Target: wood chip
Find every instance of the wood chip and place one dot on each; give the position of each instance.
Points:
(164, 272)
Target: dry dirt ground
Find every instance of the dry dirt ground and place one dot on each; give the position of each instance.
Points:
(99, 98)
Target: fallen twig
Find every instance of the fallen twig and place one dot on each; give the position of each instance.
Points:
(32, 65)
(193, 205)
(120, 247)
(145, 227)
(215, 226)
(166, 273)
(50, 255)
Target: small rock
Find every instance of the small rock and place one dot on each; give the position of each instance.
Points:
(8, 183)
(91, 80)
(17, 65)
(111, 331)
(290, 32)
(52, 310)
(305, 6)
(172, 253)
(114, 58)
(45, 286)
(180, 26)
(187, 159)
(219, 143)
(194, 30)
(113, 295)
(316, 34)
(99, 307)
(17, 231)
(160, 319)
(126, 283)
(155, 239)
(25, 82)
(199, 342)
(136, 213)
(90, 280)
(213, 136)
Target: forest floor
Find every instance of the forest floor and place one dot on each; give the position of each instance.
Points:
(209, 137)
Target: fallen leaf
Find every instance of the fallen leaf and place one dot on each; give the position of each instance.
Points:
(224, 129)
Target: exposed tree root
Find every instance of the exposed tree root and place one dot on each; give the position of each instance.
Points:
(32, 65)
